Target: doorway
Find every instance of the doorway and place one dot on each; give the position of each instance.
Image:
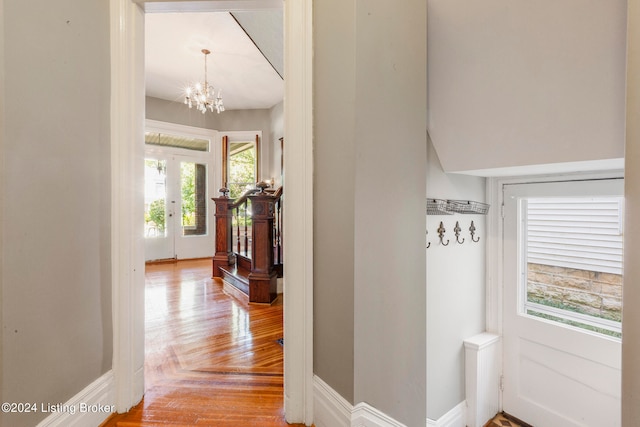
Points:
(562, 289)
(127, 126)
(178, 181)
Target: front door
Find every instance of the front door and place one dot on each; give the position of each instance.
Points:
(562, 302)
(177, 223)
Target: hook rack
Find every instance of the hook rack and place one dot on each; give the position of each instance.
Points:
(449, 207)
(457, 231)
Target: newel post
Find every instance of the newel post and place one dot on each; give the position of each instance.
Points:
(224, 255)
(263, 277)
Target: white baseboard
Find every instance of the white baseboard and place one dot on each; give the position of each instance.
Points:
(456, 417)
(364, 415)
(90, 407)
(332, 410)
(329, 408)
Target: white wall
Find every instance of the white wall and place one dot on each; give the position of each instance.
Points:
(455, 288)
(526, 83)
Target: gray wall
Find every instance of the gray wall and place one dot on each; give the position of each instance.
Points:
(334, 193)
(455, 288)
(631, 316)
(55, 201)
(2, 180)
(497, 80)
(230, 120)
(276, 132)
(370, 173)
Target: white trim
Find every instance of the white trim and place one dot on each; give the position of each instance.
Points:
(333, 410)
(483, 367)
(454, 418)
(298, 233)
(210, 6)
(127, 122)
(365, 415)
(90, 407)
(495, 230)
(550, 168)
(330, 409)
(494, 264)
(127, 258)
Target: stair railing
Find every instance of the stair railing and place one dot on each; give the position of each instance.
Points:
(250, 228)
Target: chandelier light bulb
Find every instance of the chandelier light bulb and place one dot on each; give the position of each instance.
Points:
(202, 95)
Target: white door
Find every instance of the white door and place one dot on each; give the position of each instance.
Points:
(562, 302)
(177, 207)
(159, 242)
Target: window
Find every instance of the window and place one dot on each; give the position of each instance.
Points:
(572, 256)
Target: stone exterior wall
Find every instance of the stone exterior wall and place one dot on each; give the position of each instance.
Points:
(588, 292)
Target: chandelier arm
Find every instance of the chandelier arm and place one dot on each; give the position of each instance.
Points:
(204, 95)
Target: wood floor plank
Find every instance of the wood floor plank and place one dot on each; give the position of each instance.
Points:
(210, 359)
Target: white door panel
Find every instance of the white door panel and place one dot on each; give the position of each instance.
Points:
(184, 234)
(554, 374)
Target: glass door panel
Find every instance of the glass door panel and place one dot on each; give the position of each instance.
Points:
(158, 244)
(193, 189)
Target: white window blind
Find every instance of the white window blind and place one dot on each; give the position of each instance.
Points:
(581, 233)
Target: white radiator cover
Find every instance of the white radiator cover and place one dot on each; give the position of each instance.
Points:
(483, 368)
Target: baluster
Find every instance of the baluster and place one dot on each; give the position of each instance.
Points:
(277, 234)
(238, 228)
(246, 234)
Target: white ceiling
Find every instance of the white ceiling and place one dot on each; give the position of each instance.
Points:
(173, 44)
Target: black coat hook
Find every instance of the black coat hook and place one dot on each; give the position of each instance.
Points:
(457, 231)
(428, 242)
(441, 231)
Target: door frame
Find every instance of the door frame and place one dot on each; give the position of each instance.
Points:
(495, 232)
(210, 157)
(576, 346)
(127, 152)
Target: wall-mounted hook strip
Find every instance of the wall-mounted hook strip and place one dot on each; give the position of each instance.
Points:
(456, 231)
(441, 231)
(428, 242)
(472, 229)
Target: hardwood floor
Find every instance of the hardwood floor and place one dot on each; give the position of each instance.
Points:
(211, 360)
(504, 420)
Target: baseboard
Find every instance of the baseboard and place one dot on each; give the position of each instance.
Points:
(456, 417)
(138, 384)
(332, 410)
(364, 415)
(329, 408)
(90, 407)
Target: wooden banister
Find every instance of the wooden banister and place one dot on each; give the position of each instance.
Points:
(264, 248)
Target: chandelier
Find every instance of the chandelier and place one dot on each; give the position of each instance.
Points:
(202, 95)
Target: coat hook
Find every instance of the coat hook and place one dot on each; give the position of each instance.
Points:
(428, 242)
(441, 232)
(457, 231)
(472, 229)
